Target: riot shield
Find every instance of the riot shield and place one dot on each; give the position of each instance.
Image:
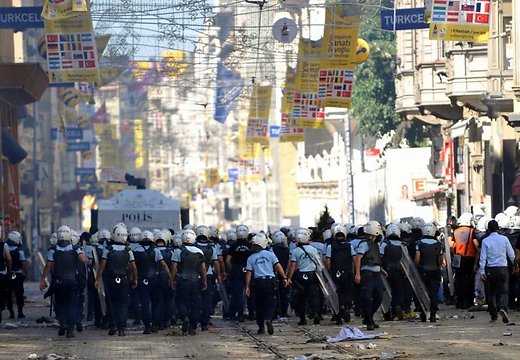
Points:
(447, 256)
(221, 288)
(327, 285)
(386, 304)
(42, 263)
(101, 290)
(415, 280)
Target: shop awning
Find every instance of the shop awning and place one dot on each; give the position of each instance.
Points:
(459, 128)
(22, 83)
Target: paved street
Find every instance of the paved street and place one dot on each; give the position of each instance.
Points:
(459, 334)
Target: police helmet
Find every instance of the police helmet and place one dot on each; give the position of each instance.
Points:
(242, 231)
(429, 230)
(327, 234)
(64, 233)
(156, 233)
(231, 235)
(147, 236)
(261, 240)
(104, 234)
(514, 222)
(511, 210)
(339, 229)
(188, 227)
(164, 235)
(202, 230)
(120, 234)
(213, 231)
(393, 230)
(74, 238)
(465, 219)
(119, 224)
(482, 223)
(15, 237)
(503, 220)
(94, 239)
(354, 230)
(53, 239)
(417, 223)
(188, 237)
(302, 235)
(134, 235)
(177, 240)
(373, 228)
(405, 227)
(279, 238)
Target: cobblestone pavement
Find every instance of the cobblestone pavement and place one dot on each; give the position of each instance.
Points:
(457, 335)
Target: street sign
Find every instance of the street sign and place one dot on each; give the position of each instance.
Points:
(19, 18)
(71, 133)
(79, 146)
(405, 19)
(88, 179)
(84, 171)
(233, 174)
(274, 131)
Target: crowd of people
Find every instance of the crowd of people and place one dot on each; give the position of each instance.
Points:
(161, 278)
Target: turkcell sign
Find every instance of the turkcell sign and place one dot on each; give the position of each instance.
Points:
(78, 146)
(21, 17)
(71, 133)
(233, 174)
(404, 19)
(274, 131)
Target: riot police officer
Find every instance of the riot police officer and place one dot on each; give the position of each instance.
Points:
(118, 263)
(281, 249)
(19, 271)
(161, 284)
(62, 261)
(190, 267)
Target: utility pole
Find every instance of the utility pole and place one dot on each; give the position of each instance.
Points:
(350, 176)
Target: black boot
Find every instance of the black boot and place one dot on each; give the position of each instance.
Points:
(423, 316)
(121, 333)
(70, 333)
(79, 326)
(11, 313)
(21, 315)
(433, 317)
(112, 331)
(303, 321)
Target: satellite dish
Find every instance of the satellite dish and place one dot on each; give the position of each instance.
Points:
(285, 30)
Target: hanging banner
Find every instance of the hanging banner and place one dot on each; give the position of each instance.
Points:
(229, 88)
(71, 50)
(307, 111)
(258, 120)
(461, 20)
(139, 143)
(308, 66)
(340, 34)
(250, 157)
(63, 9)
(335, 89)
(290, 133)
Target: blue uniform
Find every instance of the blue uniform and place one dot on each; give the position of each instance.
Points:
(16, 279)
(305, 283)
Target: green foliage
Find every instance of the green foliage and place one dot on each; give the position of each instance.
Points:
(325, 220)
(373, 99)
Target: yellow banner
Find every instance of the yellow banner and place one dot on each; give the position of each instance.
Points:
(309, 60)
(58, 9)
(340, 34)
(289, 133)
(106, 134)
(139, 143)
(458, 32)
(71, 49)
(307, 111)
(259, 110)
(335, 89)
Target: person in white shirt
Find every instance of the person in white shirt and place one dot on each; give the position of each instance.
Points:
(493, 270)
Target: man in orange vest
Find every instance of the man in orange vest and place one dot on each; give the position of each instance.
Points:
(464, 246)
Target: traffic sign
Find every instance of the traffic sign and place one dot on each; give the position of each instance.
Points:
(78, 146)
(84, 171)
(21, 17)
(404, 19)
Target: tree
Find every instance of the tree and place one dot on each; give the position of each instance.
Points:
(325, 220)
(373, 98)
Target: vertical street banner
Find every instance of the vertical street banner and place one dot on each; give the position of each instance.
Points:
(71, 49)
(460, 20)
(258, 120)
(108, 145)
(289, 132)
(307, 111)
(229, 87)
(335, 86)
(139, 144)
(250, 158)
(308, 65)
(63, 9)
(340, 34)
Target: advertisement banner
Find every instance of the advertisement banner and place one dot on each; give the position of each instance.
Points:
(139, 143)
(290, 133)
(71, 49)
(460, 20)
(108, 149)
(259, 109)
(307, 111)
(335, 87)
(308, 65)
(229, 88)
(340, 34)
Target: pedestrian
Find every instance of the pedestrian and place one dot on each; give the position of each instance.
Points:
(19, 273)
(189, 279)
(368, 270)
(302, 276)
(261, 266)
(118, 263)
(495, 251)
(429, 257)
(62, 262)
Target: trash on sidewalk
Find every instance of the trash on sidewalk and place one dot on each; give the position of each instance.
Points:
(389, 355)
(10, 326)
(348, 333)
